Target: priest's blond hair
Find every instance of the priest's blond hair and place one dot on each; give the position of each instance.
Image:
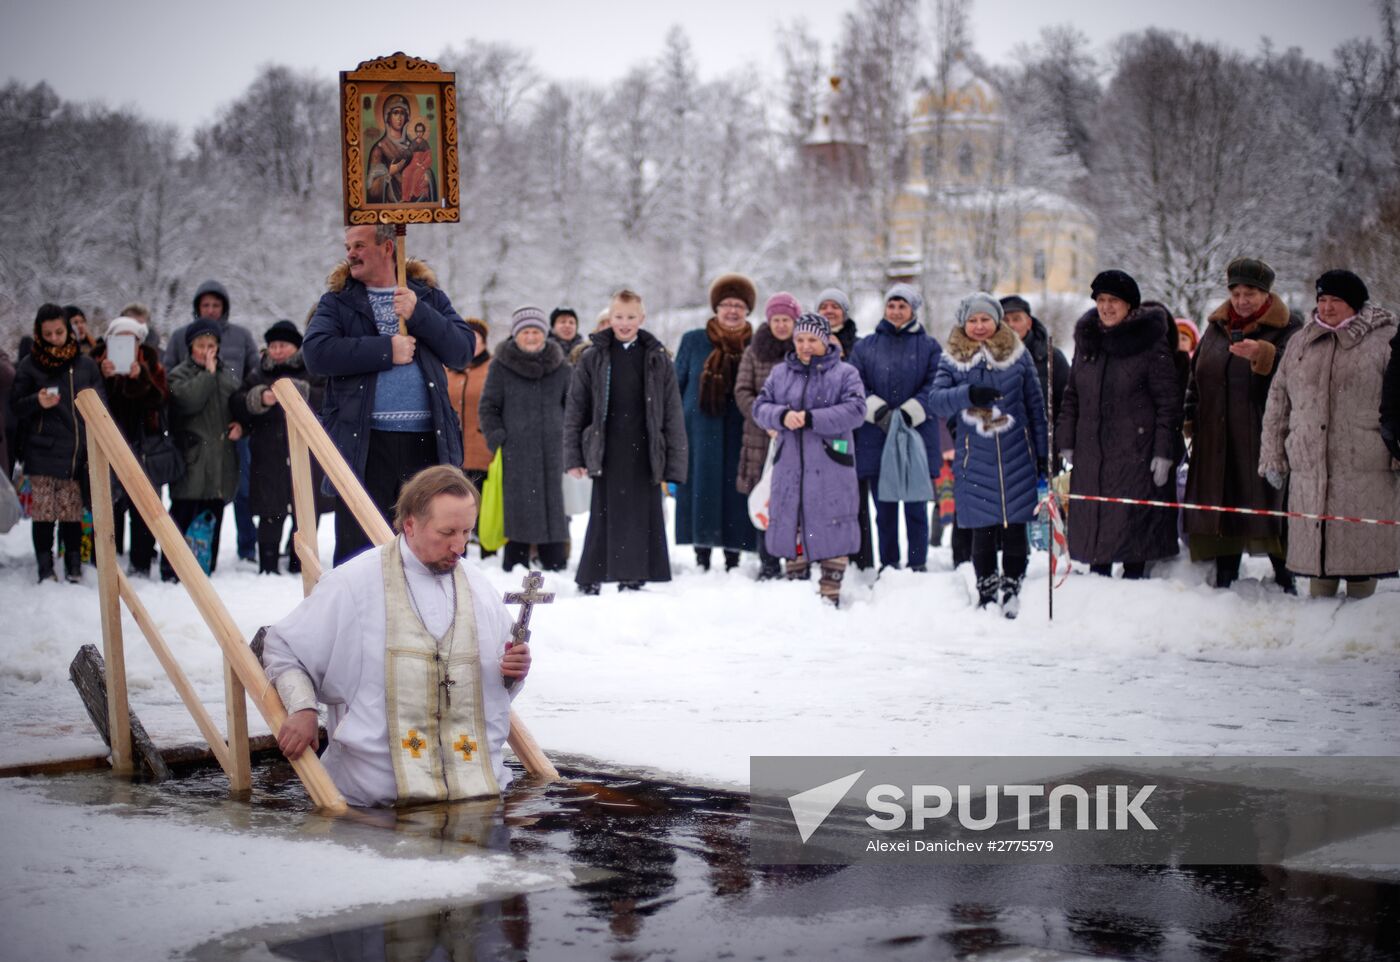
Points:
(417, 494)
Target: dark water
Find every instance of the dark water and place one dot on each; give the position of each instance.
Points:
(662, 873)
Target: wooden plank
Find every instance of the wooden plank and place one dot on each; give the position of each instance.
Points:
(103, 430)
(302, 422)
(240, 770)
(202, 719)
(88, 674)
(304, 504)
(109, 603)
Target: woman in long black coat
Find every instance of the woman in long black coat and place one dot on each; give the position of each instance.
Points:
(1120, 427)
(522, 414)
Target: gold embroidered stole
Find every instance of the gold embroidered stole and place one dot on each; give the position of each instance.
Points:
(437, 733)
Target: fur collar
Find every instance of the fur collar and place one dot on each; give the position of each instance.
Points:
(417, 271)
(999, 351)
(1276, 316)
(988, 422)
(1142, 330)
(532, 367)
(766, 347)
(1369, 318)
(293, 365)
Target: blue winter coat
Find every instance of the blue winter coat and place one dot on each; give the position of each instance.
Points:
(994, 467)
(815, 495)
(344, 345)
(895, 365)
(710, 510)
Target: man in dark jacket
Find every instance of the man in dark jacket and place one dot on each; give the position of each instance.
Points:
(563, 330)
(387, 406)
(238, 351)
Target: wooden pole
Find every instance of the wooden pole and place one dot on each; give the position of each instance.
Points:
(304, 506)
(176, 674)
(108, 593)
(240, 771)
(401, 255)
(102, 431)
(301, 422)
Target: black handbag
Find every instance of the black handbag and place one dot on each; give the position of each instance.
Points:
(160, 459)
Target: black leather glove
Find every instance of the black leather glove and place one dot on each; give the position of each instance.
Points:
(908, 418)
(981, 395)
(882, 417)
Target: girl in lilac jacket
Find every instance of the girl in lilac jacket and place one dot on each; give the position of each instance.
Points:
(814, 401)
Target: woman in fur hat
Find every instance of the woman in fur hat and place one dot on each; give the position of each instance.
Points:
(987, 383)
(53, 442)
(710, 511)
(1120, 428)
(1231, 372)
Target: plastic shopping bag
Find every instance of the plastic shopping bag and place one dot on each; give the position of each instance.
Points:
(758, 497)
(491, 528)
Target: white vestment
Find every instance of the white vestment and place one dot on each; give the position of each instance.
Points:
(337, 638)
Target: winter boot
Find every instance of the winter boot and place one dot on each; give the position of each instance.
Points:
(1227, 569)
(46, 568)
(731, 560)
(590, 588)
(833, 570)
(1322, 587)
(1361, 588)
(798, 569)
(987, 590)
(73, 567)
(1010, 597)
(1282, 576)
(702, 558)
(769, 569)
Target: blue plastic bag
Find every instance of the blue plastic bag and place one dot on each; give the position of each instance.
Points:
(903, 465)
(200, 537)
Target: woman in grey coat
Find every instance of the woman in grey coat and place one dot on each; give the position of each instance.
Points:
(522, 414)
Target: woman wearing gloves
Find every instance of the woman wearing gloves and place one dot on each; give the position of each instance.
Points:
(987, 383)
(1121, 428)
(813, 400)
(897, 364)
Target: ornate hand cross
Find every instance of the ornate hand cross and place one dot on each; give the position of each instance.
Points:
(527, 599)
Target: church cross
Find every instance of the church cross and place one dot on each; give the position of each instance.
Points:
(527, 599)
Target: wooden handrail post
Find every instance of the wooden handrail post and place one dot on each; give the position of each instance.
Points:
(240, 769)
(303, 429)
(102, 432)
(304, 507)
(104, 547)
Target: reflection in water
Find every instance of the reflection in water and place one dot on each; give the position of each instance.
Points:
(663, 873)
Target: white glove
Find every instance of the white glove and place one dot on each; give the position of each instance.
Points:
(873, 403)
(1067, 455)
(916, 412)
(1161, 470)
(1276, 479)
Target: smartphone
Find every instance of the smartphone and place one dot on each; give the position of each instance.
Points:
(51, 391)
(1236, 337)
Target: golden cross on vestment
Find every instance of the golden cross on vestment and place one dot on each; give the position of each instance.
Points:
(466, 746)
(414, 744)
(527, 599)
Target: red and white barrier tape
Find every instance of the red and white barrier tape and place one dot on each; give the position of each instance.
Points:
(1213, 507)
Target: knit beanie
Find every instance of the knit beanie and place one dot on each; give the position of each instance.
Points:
(1347, 286)
(1120, 284)
(1015, 303)
(837, 295)
(528, 316)
(559, 312)
(907, 294)
(1248, 270)
(782, 303)
(1184, 325)
(283, 331)
(810, 323)
(127, 325)
(733, 285)
(979, 302)
(199, 327)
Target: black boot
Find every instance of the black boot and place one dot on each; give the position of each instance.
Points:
(46, 568)
(987, 590)
(768, 569)
(731, 560)
(1282, 576)
(1227, 569)
(73, 567)
(1010, 596)
(702, 558)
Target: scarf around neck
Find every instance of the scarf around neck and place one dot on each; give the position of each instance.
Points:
(1236, 322)
(722, 366)
(53, 359)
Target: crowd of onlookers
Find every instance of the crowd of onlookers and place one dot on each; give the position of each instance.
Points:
(773, 433)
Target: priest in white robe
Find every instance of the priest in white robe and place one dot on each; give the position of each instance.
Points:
(410, 651)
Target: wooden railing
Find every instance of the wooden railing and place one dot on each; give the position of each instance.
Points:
(306, 438)
(243, 675)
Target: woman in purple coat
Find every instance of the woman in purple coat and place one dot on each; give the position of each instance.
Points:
(815, 401)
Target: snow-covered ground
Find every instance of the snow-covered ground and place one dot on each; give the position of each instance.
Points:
(686, 679)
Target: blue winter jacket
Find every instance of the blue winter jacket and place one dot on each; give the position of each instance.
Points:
(344, 345)
(896, 365)
(996, 448)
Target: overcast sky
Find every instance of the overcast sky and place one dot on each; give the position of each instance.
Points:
(180, 61)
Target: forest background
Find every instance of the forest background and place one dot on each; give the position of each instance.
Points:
(1187, 153)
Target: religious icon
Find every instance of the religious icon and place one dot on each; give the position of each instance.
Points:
(400, 142)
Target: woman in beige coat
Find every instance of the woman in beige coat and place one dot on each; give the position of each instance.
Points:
(1321, 437)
